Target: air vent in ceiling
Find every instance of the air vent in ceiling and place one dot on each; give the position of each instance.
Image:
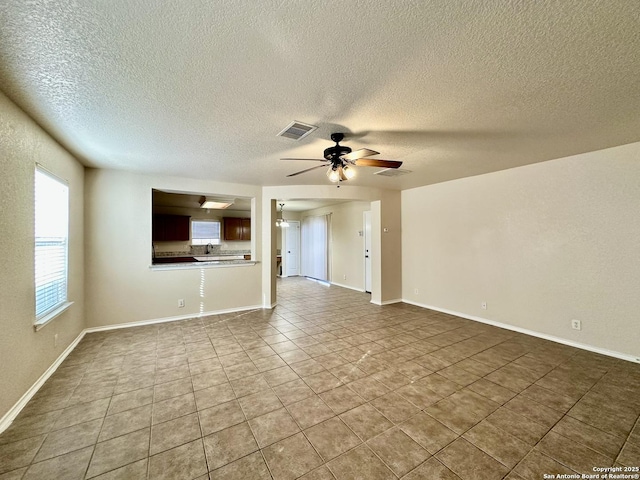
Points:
(297, 130)
(392, 172)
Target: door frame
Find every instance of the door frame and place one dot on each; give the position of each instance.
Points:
(366, 233)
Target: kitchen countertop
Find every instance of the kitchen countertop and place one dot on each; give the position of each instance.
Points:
(201, 264)
(178, 260)
(208, 258)
(172, 259)
(224, 253)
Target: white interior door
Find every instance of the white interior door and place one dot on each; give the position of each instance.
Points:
(367, 251)
(292, 249)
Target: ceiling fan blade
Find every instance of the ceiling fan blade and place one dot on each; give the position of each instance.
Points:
(369, 162)
(307, 170)
(363, 152)
(306, 159)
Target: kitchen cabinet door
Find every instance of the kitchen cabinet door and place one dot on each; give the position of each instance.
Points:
(237, 228)
(158, 229)
(232, 228)
(246, 229)
(170, 228)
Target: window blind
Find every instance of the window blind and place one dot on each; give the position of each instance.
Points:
(315, 247)
(51, 241)
(205, 231)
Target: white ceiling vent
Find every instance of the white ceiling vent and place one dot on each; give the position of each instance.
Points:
(392, 172)
(297, 130)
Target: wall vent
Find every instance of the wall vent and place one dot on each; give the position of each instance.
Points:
(392, 172)
(297, 130)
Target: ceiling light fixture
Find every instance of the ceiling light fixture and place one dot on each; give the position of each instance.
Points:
(341, 161)
(281, 222)
(333, 174)
(348, 172)
(215, 203)
(338, 172)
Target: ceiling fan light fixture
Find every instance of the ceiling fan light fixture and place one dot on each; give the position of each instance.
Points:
(340, 159)
(349, 172)
(333, 174)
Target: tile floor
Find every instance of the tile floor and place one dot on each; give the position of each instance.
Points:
(326, 386)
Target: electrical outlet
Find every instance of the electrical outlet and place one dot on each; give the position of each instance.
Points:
(483, 305)
(576, 324)
(415, 290)
(344, 277)
(55, 340)
(181, 303)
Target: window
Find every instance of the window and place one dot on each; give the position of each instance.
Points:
(204, 232)
(51, 241)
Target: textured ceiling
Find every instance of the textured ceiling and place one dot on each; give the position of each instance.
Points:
(308, 204)
(200, 89)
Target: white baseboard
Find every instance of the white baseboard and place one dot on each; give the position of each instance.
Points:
(13, 412)
(533, 333)
(324, 283)
(387, 302)
(152, 321)
(347, 286)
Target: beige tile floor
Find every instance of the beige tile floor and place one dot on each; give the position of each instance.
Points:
(326, 386)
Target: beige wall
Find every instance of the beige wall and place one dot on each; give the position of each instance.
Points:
(269, 244)
(541, 244)
(120, 286)
(390, 232)
(25, 354)
(347, 246)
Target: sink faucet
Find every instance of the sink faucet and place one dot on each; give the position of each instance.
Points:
(209, 247)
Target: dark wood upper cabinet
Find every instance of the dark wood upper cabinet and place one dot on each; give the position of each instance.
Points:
(237, 228)
(170, 228)
(246, 229)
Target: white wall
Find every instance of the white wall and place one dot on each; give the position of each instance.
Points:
(24, 353)
(346, 245)
(541, 244)
(120, 286)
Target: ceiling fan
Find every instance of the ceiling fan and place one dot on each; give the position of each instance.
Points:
(341, 159)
